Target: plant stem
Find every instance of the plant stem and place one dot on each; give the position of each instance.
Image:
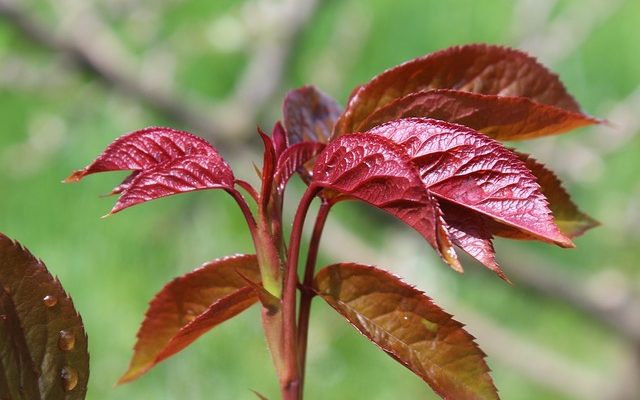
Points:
(246, 211)
(307, 293)
(290, 384)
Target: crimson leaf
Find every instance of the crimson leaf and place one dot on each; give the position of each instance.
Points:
(43, 345)
(373, 169)
(477, 68)
(406, 324)
(499, 117)
(189, 306)
(309, 115)
(469, 169)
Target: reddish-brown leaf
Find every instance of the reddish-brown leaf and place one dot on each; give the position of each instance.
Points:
(477, 68)
(43, 345)
(309, 115)
(293, 159)
(375, 170)
(471, 233)
(406, 324)
(570, 220)
(180, 175)
(188, 298)
(144, 149)
(469, 169)
(497, 116)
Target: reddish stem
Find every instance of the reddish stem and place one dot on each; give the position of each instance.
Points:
(307, 293)
(290, 384)
(246, 211)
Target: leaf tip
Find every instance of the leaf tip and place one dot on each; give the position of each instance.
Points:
(75, 176)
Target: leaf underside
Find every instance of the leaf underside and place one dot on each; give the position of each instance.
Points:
(406, 324)
(189, 306)
(43, 345)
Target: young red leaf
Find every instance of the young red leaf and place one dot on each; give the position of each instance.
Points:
(375, 170)
(471, 233)
(43, 345)
(293, 159)
(478, 68)
(309, 115)
(145, 149)
(405, 323)
(467, 168)
(497, 116)
(180, 175)
(191, 296)
(570, 220)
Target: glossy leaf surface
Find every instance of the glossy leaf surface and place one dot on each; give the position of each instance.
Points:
(375, 170)
(499, 117)
(180, 175)
(406, 324)
(469, 169)
(186, 299)
(293, 159)
(309, 115)
(43, 345)
(477, 68)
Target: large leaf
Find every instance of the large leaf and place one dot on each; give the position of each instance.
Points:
(570, 220)
(499, 117)
(180, 175)
(373, 169)
(309, 115)
(477, 68)
(469, 169)
(406, 324)
(43, 345)
(191, 305)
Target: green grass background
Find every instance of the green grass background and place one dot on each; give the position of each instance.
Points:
(113, 267)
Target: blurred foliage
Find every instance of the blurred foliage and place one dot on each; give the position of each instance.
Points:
(55, 119)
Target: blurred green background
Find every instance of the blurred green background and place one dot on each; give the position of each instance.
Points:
(75, 74)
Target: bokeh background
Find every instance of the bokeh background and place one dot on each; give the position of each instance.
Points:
(74, 74)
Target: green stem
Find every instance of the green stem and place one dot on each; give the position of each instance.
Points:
(290, 384)
(307, 293)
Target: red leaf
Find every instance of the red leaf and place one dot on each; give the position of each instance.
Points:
(405, 323)
(376, 170)
(43, 344)
(469, 169)
(188, 298)
(180, 175)
(499, 117)
(293, 159)
(145, 149)
(309, 115)
(570, 220)
(477, 68)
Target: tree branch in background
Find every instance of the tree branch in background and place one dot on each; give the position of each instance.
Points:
(92, 47)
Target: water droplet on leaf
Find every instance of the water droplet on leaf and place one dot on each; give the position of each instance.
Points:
(49, 300)
(69, 378)
(66, 341)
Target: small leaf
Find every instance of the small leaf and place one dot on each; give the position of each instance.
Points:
(309, 115)
(570, 220)
(377, 171)
(499, 117)
(43, 345)
(406, 324)
(145, 149)
(187, 298)
(469, 169)
(293, 159)
(181, 175)
(477, 68)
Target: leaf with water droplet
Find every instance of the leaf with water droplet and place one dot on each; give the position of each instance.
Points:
(38, 361)
(187, 300)
(408, 326)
